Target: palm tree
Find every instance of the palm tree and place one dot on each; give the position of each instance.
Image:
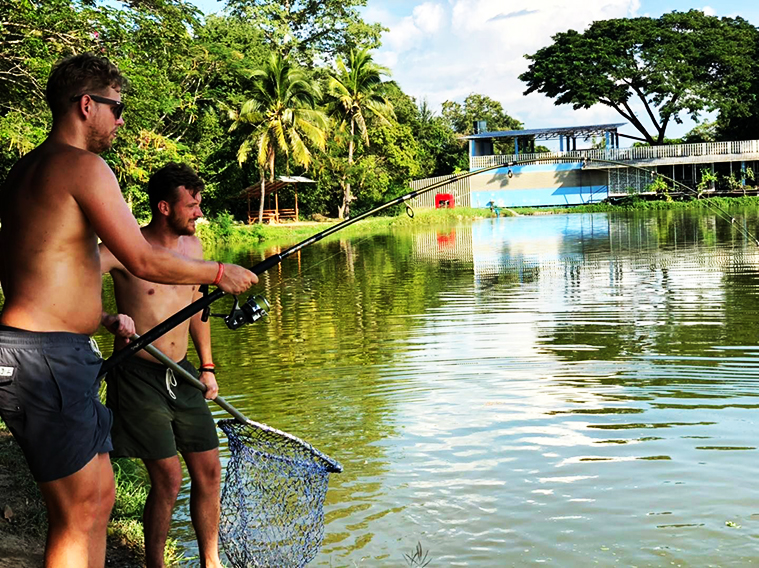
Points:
(355, 92)
(283, 115)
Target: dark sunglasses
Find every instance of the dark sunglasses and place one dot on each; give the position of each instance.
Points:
(116, 106)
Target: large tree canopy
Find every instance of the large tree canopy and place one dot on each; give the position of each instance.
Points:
(187, 71)
(681, 63)
(312, 31)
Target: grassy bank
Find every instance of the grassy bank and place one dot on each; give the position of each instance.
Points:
(639, 204)
(223, 231)
(23, 521)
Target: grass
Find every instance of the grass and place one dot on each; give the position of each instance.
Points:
(223, 231)
(228, 233)
(125, 528)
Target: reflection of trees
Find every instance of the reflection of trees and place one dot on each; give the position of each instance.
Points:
(669, 275)
(320, 365)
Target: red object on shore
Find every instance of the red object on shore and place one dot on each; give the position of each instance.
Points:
(444, 200)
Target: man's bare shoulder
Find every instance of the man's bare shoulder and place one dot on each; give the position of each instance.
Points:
(83, 169)
(56, 166)
(193, 246)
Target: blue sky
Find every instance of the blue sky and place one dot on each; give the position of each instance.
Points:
(446, 49)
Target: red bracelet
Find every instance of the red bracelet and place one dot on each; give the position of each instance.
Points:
(219, 274)
(207, 366)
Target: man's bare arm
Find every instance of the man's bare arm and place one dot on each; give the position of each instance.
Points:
(108, 262)
(100, 199)
(200, 332)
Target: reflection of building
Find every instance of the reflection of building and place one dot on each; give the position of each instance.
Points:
(597, 173)
(524, 245)
(516, 246)
(526, 248)
(452, 244)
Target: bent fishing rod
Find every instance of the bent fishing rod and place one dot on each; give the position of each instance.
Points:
(255, 307)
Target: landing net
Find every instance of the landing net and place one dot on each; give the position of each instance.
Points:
(272, 502)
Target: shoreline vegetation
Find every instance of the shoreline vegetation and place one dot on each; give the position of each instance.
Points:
(224, 231)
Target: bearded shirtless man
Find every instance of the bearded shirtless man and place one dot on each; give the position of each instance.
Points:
(55, 203)
(156, 416)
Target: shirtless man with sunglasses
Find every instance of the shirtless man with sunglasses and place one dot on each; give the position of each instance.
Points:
(55, 203)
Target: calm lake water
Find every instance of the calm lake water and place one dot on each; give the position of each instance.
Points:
(565, 390)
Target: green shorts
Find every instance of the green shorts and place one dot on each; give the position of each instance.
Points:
(155, 415)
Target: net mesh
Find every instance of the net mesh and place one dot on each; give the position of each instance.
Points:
(272, 502)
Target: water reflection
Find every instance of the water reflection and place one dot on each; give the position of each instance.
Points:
(556, 389)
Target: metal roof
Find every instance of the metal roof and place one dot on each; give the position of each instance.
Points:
(549, 133)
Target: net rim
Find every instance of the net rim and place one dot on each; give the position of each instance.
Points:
(330, 465)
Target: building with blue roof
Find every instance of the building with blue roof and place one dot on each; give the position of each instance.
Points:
(601, 170)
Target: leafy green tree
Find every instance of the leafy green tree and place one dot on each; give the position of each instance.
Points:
(312, 31)
(33, 36)
(680, 63)
(461, 117)
(356, 92)
(443, 153)
(281, 118)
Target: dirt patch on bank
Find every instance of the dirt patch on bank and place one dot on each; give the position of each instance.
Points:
(23, 523)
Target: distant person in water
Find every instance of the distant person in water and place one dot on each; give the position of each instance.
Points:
(55, 203)
(156, 416)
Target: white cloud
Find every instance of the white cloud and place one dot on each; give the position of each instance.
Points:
(445, 52)
(428, 17)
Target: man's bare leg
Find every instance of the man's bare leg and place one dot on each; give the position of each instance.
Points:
(165, 482)
(99, 533)
(205, 473)
(78, 507)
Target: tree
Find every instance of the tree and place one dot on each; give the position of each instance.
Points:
(461, 118)
(477, 107)
(356, 92)
(310, 30)
(282, 118)
(680, 63)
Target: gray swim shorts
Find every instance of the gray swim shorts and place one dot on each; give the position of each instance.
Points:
(49, 400)
(155, 414)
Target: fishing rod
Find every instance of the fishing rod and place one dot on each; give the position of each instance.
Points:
(256, 307)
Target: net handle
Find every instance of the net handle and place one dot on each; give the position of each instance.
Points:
(182, 372)
(333, 465)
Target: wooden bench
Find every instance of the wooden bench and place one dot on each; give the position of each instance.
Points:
(288, 215)
(273, 216)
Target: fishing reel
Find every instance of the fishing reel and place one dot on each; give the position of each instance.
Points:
(250, 311)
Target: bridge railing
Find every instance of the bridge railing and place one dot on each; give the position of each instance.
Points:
(628, 154)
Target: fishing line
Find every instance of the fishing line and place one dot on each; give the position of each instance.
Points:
(253, 309)
(709, 203)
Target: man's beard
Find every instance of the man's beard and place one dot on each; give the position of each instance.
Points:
(179, 227)
(97, 144)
